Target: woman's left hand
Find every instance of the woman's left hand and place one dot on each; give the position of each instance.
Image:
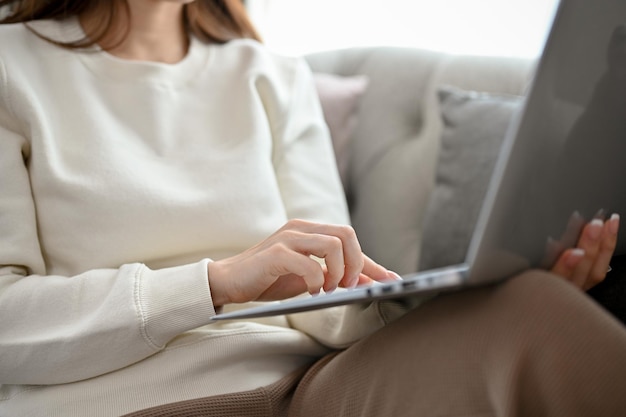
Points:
(587, 264)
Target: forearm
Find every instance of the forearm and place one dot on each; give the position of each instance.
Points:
(62, 329)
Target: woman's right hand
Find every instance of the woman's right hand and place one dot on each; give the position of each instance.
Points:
(281, 266)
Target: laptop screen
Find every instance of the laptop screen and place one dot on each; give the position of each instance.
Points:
(564, 160)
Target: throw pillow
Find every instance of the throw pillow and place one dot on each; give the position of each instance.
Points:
(474, 125)
(339, 97)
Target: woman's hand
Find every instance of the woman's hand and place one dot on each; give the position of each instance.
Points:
(587, 264)
(281, 266)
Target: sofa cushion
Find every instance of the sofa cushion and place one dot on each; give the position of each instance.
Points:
(474, 125)
(393, 151)
(391, 163)
(339, 97)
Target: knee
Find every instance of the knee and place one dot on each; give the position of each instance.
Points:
(539, 310)
(539, 292)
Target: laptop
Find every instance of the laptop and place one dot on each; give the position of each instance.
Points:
(562, 162)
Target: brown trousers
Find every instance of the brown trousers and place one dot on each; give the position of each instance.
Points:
(533, 346)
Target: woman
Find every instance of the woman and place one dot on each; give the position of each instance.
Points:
(146, 147)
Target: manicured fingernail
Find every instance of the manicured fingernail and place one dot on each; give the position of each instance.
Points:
(574, 257)
(595, 228)
(600, 214)
(614, 223)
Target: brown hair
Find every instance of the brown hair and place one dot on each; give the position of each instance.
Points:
(215, 21)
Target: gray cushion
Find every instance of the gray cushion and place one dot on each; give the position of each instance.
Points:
(474, 126)
(393, 150)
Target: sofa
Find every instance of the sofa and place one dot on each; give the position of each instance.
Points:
(416, 139)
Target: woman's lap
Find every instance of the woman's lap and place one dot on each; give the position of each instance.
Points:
(531, 346)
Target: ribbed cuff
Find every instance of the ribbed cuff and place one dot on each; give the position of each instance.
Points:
(173, 300)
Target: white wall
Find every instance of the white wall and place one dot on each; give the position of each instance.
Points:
(482, 27)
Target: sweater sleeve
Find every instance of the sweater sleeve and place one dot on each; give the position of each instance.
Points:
(304, 160)
(58, 329)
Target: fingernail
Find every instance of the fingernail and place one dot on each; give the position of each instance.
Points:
(614, 223)
(600, 214)
(575, 256)
(394, 276)
(595, 229)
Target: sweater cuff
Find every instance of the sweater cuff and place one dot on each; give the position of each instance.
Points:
(172, 300)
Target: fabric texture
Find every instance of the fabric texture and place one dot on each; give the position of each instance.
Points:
(474, 126)
(121, 181)
(339, 97)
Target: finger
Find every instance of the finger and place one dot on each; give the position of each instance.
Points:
(287, 261)
(328, 248)
(365, 280)
(376, 271)
(590, 242)
(608, 242)
(568, 261)
(353, 257)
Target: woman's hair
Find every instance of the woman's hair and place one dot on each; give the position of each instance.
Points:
(215, 21)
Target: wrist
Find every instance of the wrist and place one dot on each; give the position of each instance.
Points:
(218, 293)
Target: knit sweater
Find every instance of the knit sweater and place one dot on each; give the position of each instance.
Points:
(120, 181)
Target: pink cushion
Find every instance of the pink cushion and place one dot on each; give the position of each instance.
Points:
(340, 97)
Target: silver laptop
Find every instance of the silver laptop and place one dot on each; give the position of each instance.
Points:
(562, 162)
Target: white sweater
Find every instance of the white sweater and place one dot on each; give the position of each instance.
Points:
(119, 182)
